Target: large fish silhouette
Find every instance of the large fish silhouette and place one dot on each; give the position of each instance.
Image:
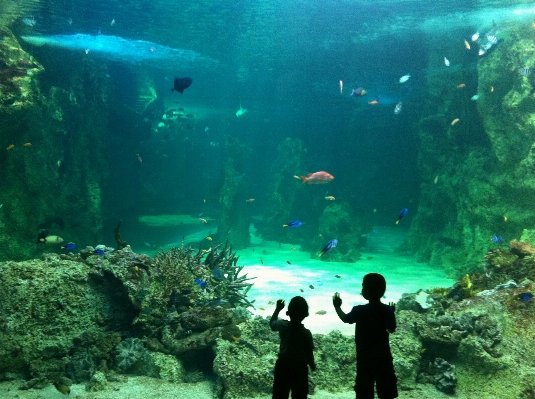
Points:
(125, 50)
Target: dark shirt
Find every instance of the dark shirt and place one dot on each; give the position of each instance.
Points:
(372, 322)
(296, 342)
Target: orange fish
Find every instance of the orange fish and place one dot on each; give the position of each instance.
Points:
(235, 338)
(317, 178)
(453, 122)
(467, 45)
(330, 198)
(461, 86)
(11, 146)
(250, 200)
(27, 144)
(374, 102)
(203, 220)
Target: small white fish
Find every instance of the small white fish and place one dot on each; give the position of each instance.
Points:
(475, 36)
(475, 97)
(87, 51)
(29, 21)
(112, 22)
(481, 51)
(341, 87)
(404, 78)
(397, 110)
(241, 111)
(446, 61)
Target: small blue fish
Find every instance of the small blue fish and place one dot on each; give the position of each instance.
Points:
(293, 224)
(69, 246)
(402, 214)
(98, 252)
(330, 245)
(525, 296)
(201, 283)
(497, 239)
(524, 71)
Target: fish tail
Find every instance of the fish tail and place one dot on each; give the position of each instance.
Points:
(321, 253)
(284, 225)
(304, 179)
(397, 221)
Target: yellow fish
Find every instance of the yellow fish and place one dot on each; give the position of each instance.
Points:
(330, 198)
(209, 238)
(10, 147)
(453, 122)
(27, 144)
(505, 219)
(64, 389)
(467, 45)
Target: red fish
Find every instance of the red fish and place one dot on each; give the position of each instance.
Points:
(317, 178)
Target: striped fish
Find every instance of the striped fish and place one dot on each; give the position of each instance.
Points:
(492, 39)
(524, 71)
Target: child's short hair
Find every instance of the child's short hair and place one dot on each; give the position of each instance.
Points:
(375, 284)
(298, 308)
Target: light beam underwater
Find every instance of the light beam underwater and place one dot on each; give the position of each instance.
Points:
(125, 50)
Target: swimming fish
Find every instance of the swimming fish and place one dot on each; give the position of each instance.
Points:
(321, 312)
(27, 144)
(293, 224)
(460, 86)
(337, 276)
(397, 109)
(330, 245)
(467, 45)
(404, 78)
(98, 252)
(497, 239)
(524, 71)
(311, 286)
(10, 147)
(475, 97)
(317, 178)
(446, 61)
(181, 84)
(241, 111)
(287, 261)
(50, 240)
(341, 87)
(492, 39)
(358, 92)
(330, 198)
(525, 296)
(69, 246)
(203, 220)
(402, 214)
(200, 283)
(64, 389)
(250, 200)
(374, 102)
(475, 36)
(209, 238)
(453, 122)
(436, 179)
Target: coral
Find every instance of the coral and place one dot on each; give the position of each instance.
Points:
(446, 379)
(168, 367)
(522, 249)
(97, 383)
(129, 354)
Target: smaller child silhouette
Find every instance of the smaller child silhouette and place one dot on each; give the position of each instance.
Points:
(295, 354)
(373, 323)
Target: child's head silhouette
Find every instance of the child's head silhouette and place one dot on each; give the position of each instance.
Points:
(297, 309)
(373, 286)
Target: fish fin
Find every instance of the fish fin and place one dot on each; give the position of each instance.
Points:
(304, 179)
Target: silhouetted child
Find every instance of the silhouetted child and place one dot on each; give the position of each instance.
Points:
(374, 322)
(295, 354)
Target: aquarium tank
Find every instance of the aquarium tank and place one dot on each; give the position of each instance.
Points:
(173, 173)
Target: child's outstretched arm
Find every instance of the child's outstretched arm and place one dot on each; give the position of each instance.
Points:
(337, 302)
(274, 317)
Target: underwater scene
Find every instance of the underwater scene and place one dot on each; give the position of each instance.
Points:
(173, 169)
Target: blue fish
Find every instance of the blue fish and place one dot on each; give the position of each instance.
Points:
(402, 214)
(98, 252)
(293, 224)
(525, 296)
(330, 245)
(201, 283)
(497, 239)
(69, 246)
